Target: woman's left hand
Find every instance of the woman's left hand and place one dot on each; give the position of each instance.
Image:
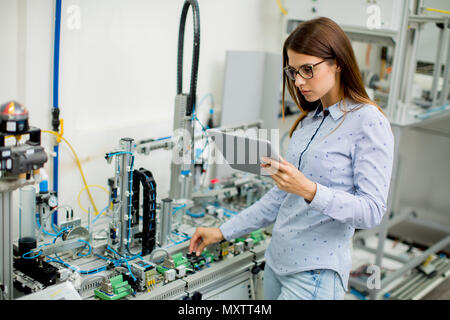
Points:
(288, 178)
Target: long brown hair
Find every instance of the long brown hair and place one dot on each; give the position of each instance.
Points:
(323, 38)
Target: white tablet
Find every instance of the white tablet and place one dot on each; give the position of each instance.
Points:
(242, 152)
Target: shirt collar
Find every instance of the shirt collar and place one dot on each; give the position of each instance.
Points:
(335, 110)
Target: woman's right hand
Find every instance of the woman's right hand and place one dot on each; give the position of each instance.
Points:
(204, 237)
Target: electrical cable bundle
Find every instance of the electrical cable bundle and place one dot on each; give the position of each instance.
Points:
(195, 54)
(145, 178)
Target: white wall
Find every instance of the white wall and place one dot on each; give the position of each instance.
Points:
(424, 177)
(8, 49)
(118, 78)
(118, 73)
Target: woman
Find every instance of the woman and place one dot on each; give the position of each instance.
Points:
(335, 178)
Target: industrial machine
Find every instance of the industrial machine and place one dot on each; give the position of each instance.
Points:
(137, 246)
(20, 164)
(408, 77)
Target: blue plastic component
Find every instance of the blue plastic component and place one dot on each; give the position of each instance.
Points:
(43, 186)
(185, 172)
(198, 152)
(358, 294)
(55, 93)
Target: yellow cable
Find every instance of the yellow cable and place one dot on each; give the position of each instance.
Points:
(77, 160)
(61, 123)
(283, 10)
(428, 260)
(86, 188)
(438, 10)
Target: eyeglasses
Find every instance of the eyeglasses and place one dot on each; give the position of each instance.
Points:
(305, 71)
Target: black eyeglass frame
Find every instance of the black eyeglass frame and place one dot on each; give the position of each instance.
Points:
(311, 66)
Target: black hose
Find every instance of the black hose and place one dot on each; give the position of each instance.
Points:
(195, 56)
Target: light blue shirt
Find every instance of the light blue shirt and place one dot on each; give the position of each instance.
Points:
(352, 168)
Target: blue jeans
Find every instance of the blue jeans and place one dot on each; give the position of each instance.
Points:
(320, 284)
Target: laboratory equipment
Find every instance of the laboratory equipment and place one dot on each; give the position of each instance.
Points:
(20, 164)
(27, 219)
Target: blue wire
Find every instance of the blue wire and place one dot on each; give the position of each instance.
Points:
(91, 271)
(101, 257)
(56, 92)
(51, 234)
(181, 235)
(163, 138)
(178, 242)
(116, 262)
(178, 208)
(129, 269)
(111, 249)
(229, 211)
(33, 257)
(204, 98)
(100, 213)
(109, 155)
(89, 246)
(194, 117)
(195, 215)
(203, 127)
(54, 228)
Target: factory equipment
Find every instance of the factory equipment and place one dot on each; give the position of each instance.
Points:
(121, 225)
(136, 247)
(414, 93)
(20, 164)
(182, 171)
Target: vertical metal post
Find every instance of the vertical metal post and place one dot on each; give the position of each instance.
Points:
(410, 68)
(444, 92)
(178, 150)
(437, 67)
(126, 145)
(90, 224)
(6, 279)
(397, 63)
(182, 167)
(165, 217)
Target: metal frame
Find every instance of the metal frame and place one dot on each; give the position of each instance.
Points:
(399, 99)
(6, 247)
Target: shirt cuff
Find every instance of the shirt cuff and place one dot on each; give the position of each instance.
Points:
(226, 230)
(321, 199)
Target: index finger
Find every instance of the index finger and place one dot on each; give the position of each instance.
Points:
(193, 243)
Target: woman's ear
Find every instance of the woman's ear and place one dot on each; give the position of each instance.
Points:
(338, 67)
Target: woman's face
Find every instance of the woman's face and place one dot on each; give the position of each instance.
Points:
(325, 79)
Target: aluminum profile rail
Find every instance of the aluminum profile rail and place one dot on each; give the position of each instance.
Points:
(171, 291)
(220, 270)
